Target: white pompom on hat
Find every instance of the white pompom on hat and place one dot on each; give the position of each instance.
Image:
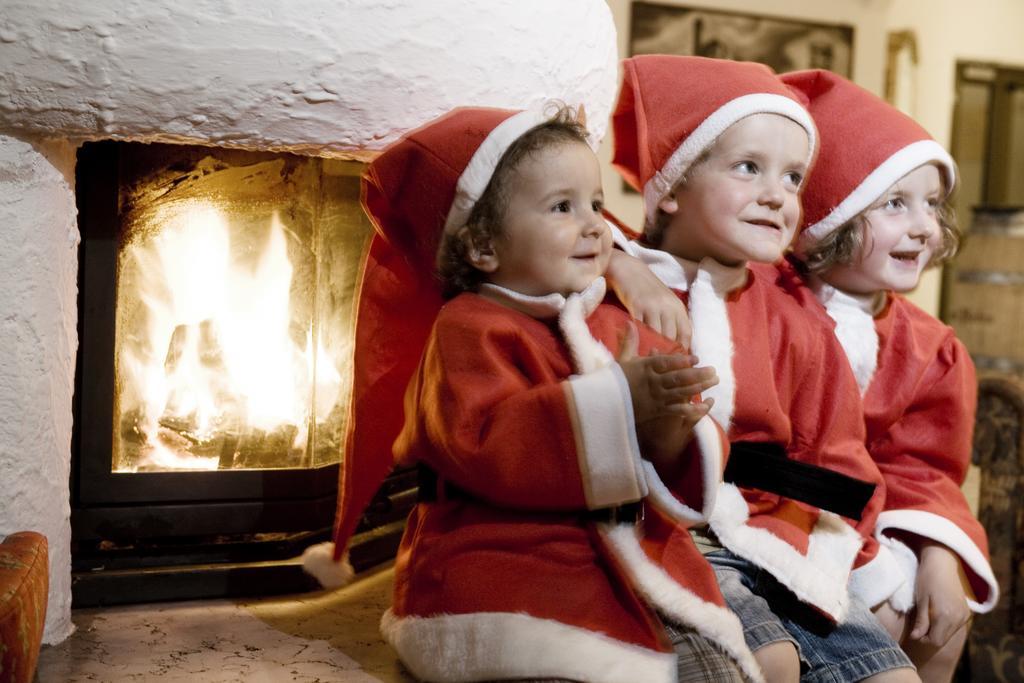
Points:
(866, 146)
(672, 108)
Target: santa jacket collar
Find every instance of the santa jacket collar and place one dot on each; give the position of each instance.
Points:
(678, 273)
(855, 327)
(547, 306)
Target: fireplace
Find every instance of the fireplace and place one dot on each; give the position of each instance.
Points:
(329, 79)
(216, 321)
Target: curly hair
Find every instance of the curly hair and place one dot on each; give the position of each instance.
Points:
(840, 247)
(488, 215)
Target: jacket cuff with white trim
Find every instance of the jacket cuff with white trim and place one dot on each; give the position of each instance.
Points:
(941, 530)
(609, 454)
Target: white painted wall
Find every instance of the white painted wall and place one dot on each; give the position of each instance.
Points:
(949, 31)
(38, 270)
(311, 76)
(315, 75)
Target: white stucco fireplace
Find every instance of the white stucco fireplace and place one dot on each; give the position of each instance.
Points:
(327, 78)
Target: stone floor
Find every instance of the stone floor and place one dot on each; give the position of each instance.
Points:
(326, 636)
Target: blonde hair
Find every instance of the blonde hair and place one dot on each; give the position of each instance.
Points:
(654, 231)
(840, 247)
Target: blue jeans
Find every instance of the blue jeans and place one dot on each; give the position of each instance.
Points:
(858, 648)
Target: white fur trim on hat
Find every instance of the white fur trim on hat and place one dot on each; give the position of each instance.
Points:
(942, 530)
(879, 181)
(318, 561)
(505, 645)
(478, 172)
(710, 129)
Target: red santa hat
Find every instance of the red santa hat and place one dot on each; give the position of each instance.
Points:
(671, 109)
(422, 186)
(866, 146)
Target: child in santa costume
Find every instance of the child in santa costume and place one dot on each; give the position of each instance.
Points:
(875, 215)
(524, 557)
(718, 150)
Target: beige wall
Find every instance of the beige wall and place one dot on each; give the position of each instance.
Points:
(947, 30)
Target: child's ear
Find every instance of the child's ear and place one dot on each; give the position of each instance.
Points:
(479, 253)
(581, 115)
(669, 204)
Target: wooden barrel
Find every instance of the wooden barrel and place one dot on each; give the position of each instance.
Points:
(985, 291)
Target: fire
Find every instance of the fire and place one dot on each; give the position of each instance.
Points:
(222, 367)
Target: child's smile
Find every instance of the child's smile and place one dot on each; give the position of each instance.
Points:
(553, 237)
(901, 233)
(742, 202)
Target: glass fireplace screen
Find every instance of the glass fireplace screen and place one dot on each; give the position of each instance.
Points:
(235, 280)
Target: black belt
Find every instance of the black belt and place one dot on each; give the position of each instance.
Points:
(765, 466)
(432, 487)
(627, 513)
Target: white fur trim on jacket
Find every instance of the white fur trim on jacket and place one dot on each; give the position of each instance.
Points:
(709, 441)
(941, 530)
(820, 578)
(549, 305)
(717, 624)
(707, 132)
(708, 284)
(712, 333)
(505, 645)
(477, 174)
(881, 579)
(878, 182)
(903, 599)
(318, 561)
(609, 456)
(588, 354)
(855, 329)
(664, 265)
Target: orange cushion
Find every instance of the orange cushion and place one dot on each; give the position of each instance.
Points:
(24, 582)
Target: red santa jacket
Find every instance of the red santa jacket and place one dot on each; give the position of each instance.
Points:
(509, 574)
(920, 394)
(782, 379)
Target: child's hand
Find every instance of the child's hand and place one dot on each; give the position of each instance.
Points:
(664, 385)
(662, 388)
(647, 299)
(941, 604)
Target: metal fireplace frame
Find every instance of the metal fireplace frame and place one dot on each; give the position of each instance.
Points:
(119, 519)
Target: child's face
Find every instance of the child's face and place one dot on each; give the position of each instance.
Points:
(902, 233)
(742, 203)
(553, 237)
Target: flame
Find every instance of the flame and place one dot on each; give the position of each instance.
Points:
(217, 359)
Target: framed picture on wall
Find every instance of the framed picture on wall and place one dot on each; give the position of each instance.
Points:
(783, 44)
